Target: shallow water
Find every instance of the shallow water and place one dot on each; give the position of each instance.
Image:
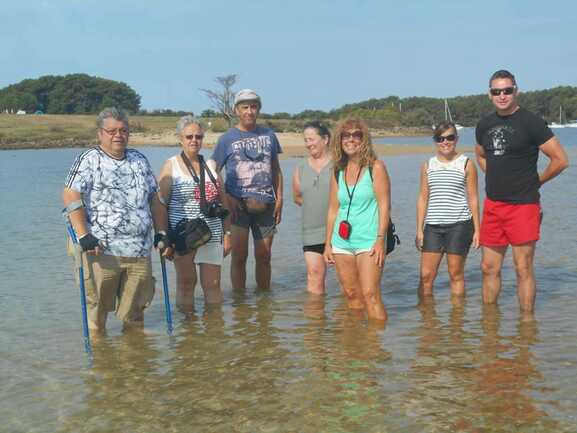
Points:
(283, 361)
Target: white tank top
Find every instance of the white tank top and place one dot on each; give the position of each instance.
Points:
(185, 199)
(447, 191)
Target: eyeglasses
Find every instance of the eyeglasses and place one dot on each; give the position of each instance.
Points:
(113, 132)
(197, 136)
(357, 135)
(441, 138)
(505, 91)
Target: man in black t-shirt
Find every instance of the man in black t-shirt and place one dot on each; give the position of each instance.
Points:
(508, 145)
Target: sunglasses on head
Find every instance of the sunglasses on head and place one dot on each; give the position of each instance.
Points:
(197, 136)
(355, 134)
(506, 91)
(441, 138)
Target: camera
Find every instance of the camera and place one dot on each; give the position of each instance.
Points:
(214, 210)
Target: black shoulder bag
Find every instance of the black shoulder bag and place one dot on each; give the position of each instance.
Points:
(189, 234)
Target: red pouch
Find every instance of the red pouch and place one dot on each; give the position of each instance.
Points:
(345, 229)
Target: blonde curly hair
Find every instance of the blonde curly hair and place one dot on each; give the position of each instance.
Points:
(367, 155)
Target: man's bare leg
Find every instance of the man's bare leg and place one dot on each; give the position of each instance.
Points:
(491, 265)
(239, 254)
(523, 256)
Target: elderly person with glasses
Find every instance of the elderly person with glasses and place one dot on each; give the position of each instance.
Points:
(111, 201)
(182, 181)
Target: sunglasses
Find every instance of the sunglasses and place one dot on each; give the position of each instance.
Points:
(113, 132)
(441, 138)
(358, 135)
(197, 136)
(505, 91)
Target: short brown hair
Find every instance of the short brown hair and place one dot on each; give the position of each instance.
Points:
(444, 127)
(502, 74)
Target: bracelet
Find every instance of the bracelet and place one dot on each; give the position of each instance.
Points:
(381, 236)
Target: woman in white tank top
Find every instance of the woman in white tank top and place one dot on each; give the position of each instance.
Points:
(447, 212)
(180, 193)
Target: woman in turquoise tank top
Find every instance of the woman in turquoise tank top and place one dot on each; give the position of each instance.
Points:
(358, 217)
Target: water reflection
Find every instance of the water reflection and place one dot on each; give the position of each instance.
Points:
(467, 382)
(505, 375)
(119, 386)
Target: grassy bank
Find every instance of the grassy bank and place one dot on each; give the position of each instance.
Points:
(52, 131)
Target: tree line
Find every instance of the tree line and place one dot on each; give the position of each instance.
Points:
(466, 110)
(68, 94)
(81, 93)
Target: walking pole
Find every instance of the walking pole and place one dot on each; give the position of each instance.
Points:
(78, 262)
(165, 287)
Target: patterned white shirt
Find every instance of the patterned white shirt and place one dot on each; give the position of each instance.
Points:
(117, 196)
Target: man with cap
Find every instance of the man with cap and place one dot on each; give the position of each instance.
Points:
(254, 186)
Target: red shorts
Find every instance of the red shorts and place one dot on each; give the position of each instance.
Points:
(509, 223)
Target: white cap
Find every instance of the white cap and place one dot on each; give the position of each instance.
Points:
(246, 95)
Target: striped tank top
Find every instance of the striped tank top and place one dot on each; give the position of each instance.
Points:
(185, 199)
(447, 191)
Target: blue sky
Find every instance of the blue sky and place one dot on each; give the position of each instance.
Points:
(315, 54)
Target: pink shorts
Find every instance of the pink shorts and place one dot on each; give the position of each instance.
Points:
(509, 223)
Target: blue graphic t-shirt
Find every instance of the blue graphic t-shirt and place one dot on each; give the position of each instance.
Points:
(116, 195)
(248, 158)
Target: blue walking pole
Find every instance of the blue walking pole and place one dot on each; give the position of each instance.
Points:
(78, 262)
(165, 288)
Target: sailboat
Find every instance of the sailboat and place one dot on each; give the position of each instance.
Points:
(562, 121)
(561, 124)
(448, 117)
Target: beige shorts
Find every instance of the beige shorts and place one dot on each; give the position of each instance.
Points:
(121, 284)
(210, 253)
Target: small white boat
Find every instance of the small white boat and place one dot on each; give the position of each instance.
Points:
(449, 118)
(562, 122)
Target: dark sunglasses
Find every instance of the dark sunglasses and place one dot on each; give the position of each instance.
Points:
(506, 91)
(197, 136)
(441, 138)
(355, 134)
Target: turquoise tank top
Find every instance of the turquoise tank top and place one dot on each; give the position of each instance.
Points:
(363, 215)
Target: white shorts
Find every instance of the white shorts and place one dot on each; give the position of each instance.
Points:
(351, 252)
(210, 253)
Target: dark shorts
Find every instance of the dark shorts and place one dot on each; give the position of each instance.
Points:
(449, 238)
(261, 225)
(509, 223)
(317, 248)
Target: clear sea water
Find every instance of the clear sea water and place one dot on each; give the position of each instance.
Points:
(281, 361)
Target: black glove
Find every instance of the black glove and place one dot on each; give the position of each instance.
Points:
(161, 241)
(88, 242)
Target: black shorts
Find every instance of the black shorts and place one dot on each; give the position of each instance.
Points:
(317, 248)
(449, 238)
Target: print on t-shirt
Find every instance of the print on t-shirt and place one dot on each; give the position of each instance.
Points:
(247, 157)
(500, 139)
(251, 162)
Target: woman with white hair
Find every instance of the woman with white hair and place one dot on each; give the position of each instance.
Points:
(181, 181)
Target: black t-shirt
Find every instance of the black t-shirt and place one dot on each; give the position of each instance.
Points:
(511, 145)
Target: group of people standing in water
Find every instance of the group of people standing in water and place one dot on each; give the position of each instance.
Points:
(112, 200)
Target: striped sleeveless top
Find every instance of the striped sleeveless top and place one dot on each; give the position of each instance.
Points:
(447, 191)
(185, 199)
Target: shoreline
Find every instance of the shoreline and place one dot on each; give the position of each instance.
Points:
(291, 143)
